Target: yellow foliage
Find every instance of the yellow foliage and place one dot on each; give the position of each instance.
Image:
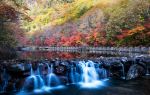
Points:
(136, 30)
(61, 13)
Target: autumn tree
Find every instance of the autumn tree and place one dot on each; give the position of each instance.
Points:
(126, 15)
(7, 15)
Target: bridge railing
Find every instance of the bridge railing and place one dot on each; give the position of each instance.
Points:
(95, 49)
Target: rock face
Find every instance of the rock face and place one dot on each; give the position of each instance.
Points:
(135, 71)
(89, 21)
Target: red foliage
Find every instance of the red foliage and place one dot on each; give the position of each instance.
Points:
(50, 41)
(147, 24)
(49, 55)
(37, 42)
(92, 38)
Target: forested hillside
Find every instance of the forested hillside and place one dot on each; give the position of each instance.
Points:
(77, 22)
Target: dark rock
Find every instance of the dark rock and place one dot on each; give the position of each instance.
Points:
(135, 71)
(7, 53)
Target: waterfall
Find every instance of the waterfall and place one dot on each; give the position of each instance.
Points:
(52, 79)
(34, 79)
(89, 76)
(147, 71)
(86, 74)
(123, 72)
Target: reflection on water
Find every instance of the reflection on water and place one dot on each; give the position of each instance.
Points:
(76, 55)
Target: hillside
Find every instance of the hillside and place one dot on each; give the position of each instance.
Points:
(82, 22)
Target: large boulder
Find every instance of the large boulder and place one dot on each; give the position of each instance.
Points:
(135, 71)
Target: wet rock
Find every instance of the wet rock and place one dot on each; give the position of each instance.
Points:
(135, 71)
(64, 79)
(107, 67)
(18, 69)
(60, 70)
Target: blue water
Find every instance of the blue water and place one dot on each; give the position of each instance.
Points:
(109, 87)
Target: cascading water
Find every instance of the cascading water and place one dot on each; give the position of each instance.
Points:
(123, 72)
(147, 71)
(89, 76)
(89, 72)
(103, 73)
(74, 75)
(52, 79)
(49, 75)
(34, 79)
(5, 80)
(124, 59)
(39, 81)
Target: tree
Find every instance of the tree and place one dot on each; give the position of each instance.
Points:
(7, 15)
(125, 15)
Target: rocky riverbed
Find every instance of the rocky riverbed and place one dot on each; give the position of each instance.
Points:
(14, 73)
